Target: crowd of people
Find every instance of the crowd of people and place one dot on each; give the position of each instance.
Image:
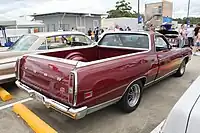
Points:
(191, 36)
(94, 35)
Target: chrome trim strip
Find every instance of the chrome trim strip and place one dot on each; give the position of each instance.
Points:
(102, 105)
(64, 49)
(129, 48)
(71, 62)
(75, 87)
(160, 78)
(18, 69)
(132, 83)
(7, 78)
(7, 65)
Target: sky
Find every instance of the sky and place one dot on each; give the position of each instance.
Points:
(15, 8)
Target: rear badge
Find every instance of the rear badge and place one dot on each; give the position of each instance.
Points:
(62, 89)
(58, 78)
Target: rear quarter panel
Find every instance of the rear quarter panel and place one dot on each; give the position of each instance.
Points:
(109, 80)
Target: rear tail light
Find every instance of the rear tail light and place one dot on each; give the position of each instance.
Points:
(71, 88)
(71, 83)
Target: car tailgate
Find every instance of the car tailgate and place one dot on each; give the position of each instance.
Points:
(48, 75)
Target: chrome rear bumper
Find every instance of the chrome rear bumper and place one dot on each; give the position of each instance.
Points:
(50, 103)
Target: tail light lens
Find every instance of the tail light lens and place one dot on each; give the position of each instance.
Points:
(71, 88)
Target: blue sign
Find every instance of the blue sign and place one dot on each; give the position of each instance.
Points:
(140, 19)
(188, 22)
(167, 20)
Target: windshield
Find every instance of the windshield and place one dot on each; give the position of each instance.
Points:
(24, 43)
(129, 40)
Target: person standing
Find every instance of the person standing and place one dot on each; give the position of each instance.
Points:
(190, 35)
(196, 30)
(96, 34)
(89, 32)
(128, 28)
(182, 35)
(116, 28)
(197, 43)
(72, 29)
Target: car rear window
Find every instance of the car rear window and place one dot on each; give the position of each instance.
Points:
(128, 40)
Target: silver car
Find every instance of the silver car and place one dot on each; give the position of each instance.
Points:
(36, 43)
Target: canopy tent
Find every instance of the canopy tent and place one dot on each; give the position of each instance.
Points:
(3, 25)
(14, 25)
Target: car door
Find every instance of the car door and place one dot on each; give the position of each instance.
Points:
(165, 56)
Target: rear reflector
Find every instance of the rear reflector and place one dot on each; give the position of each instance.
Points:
(88, 95)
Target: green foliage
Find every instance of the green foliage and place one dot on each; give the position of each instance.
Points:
(193, 20)
(123, 9)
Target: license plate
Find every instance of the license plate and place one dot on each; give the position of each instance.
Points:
(39, 97)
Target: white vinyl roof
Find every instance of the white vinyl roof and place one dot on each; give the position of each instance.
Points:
(57, 33)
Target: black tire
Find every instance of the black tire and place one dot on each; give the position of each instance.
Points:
(125, 104)
(180, 72)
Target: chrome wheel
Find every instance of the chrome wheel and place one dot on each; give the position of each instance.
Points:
(133, 95)
(182, 69)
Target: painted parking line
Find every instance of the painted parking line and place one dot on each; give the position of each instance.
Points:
(158, 128)
(12, 104)
(4, 95)
(36, 124)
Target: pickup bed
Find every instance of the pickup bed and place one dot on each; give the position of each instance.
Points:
(79, 81)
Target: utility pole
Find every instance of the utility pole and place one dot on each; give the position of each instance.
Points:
(188, 12)
(138, 11)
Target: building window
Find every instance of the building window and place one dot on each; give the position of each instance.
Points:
(47, 27)
(159, 9)
(95, 23)
(65, 27)
(54, 27)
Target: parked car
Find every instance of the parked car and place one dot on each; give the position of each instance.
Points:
(37, 42)
(80, 81)
(171, 36)
(184, 116)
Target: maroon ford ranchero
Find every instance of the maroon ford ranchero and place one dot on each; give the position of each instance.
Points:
(81, 80)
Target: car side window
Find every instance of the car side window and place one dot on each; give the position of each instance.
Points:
(160, 44)
(43, 46)
(57, 42)
(80, 40)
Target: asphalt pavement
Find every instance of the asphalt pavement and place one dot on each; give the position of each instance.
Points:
(156, 103)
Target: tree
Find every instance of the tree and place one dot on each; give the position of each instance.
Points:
(193, 20)
(123, 9)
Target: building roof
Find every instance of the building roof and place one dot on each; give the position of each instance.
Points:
(85, 7)
(57, 33)
(80, 13)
